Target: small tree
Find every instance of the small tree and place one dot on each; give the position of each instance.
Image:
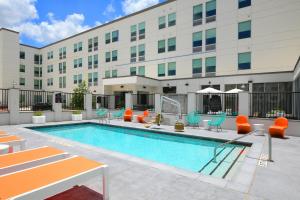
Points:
(78, 96)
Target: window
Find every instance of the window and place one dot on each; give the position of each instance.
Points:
(133, 54)
(75, 63)
(75, 47)
(210, 66)
(37, 84)
(62, 52)
(114, 73)
(22, 68)
(37, 59)
(172, 69)
(161, 46)
(50, 82)
(50, 55)
(114, 55)
(79, 62)
(197, 42)
(90, 45)
(244, 60)
(133, 33)
(22, 55)
(95, 78)
(172, 44)
(141, 52)
(80, 46)
(90, 62)
(244, 3)
(75, 79)
(107, 38)
(50, 68)
(161, 70)
(62, 67)
(90, 79)
(142, 30)
(37, 72)
(62, 82)
(107, 57)
(132, 71)
(210, 39)
(245, 29)
(96, 61)
(107, 74)
(141, 71)
(197, 15)
(79, 78)
(197, 66)
(22, 81)
(95, 43)
(172, 19)
(162, 22)
(211, 11)
(115, 36)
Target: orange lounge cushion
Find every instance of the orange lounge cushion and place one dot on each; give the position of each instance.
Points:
(3, 133)
(243, 128)
(277, 131)
(244, 125)
(26, 156)
(140, 118)
(9, 138)
(20, 182)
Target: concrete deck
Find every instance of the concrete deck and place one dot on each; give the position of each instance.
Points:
(137, 179)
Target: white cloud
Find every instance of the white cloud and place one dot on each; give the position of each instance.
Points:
(131, 6)
(110, 9)
(97, 23)
(45, 32)
(14, 12)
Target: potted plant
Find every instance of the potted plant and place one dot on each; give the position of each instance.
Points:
(38, 117)
(76, 115)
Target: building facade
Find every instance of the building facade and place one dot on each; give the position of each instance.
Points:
(178, 46)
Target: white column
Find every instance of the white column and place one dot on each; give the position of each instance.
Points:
(244, 103)
(88, 105)
(128, 100)
(191, 102)
(111, 102)
(57, 108)
(13, 106)
(157, 103)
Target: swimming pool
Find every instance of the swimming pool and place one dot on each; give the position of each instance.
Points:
(188, 153)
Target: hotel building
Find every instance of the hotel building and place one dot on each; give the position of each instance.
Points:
(177, 46)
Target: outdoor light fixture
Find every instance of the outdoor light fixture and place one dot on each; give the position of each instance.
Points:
(243, 86)
(209, 83)
(144, 87)
(187, 84)
(121, 86)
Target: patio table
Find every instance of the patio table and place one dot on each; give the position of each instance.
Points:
(4, 148)
(205, 124)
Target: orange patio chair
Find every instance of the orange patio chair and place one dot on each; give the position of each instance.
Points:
(141, 118)
(242, 124)
(278, 129)
(128, 115)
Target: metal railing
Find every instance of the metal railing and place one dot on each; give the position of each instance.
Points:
(33, 100)
(212, 104)
(272, 105)
(72, 101)
(143, 102)
(181, 98)
(101, 101)
(3, 100)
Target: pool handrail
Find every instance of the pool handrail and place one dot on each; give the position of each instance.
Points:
(229, 142)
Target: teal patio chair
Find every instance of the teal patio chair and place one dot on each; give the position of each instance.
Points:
(118, 114)
(102, 114)
(193, 119)
(217, 121)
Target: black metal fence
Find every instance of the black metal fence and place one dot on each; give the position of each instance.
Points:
(181, 98)
(212, 104)
(33, 100)
(72, 101)
(3, 100)
(143, 102)
(272, 105)
(102, 101)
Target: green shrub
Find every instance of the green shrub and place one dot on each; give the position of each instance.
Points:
(38, 113)
(76, 112)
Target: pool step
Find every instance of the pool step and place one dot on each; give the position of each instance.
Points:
(226, 158)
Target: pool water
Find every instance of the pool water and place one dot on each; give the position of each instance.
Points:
(186, 153)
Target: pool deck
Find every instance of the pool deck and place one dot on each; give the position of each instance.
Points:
(137, 179)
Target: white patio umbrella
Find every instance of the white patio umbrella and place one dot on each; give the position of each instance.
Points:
(209, 90)
(235, 90)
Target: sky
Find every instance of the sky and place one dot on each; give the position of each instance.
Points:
(41, 22)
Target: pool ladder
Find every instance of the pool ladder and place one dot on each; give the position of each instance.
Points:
(240, 137)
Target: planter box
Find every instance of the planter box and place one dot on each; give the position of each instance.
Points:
(39, 119)
(76, 117)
